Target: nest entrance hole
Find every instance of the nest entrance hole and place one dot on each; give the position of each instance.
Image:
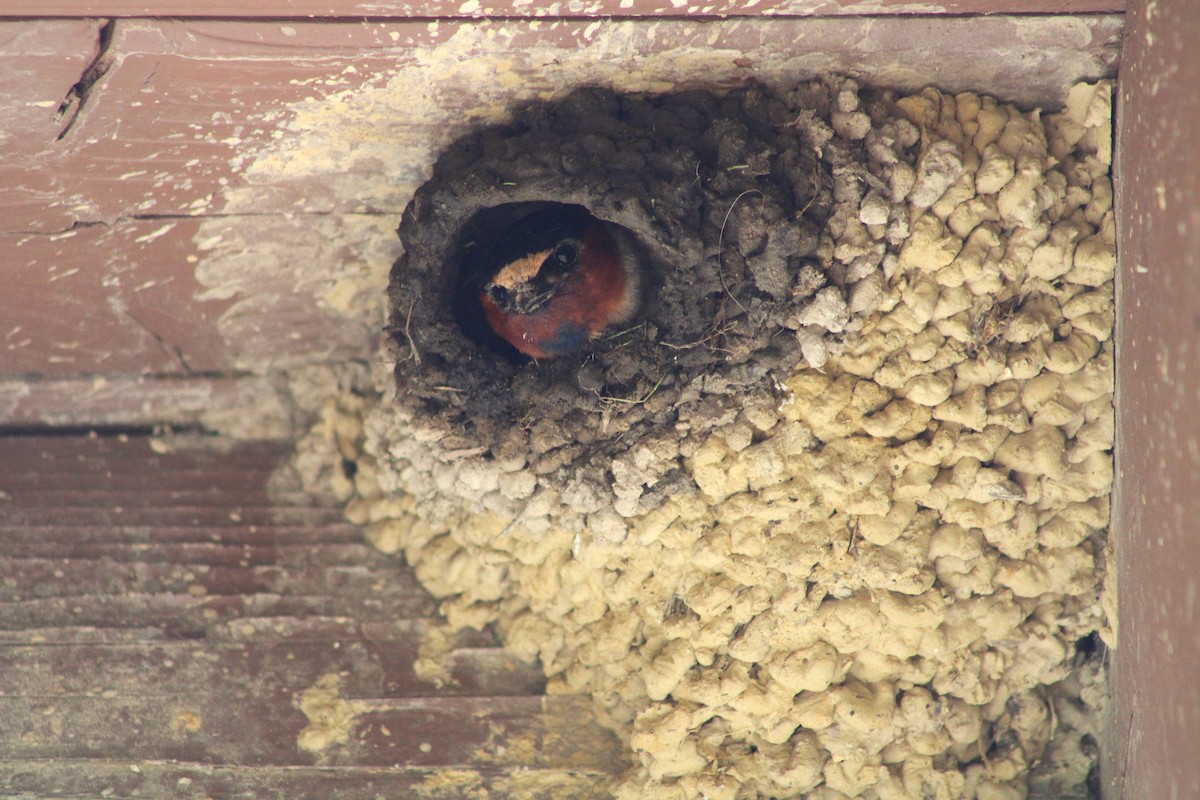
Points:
(726, 201)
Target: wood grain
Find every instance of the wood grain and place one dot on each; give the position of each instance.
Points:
(1155, 675)
(172, 651)
(518, 8)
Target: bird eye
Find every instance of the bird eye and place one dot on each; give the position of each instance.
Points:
(497, 293)
(565, 254)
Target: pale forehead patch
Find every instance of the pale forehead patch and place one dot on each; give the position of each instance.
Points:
(520, 271)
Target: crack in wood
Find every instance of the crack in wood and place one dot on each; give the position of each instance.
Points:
(174, 351)
(78, 95)
(77, 225)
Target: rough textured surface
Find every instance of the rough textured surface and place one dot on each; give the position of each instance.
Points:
(183, 622)
(877, 579)
(726, 196)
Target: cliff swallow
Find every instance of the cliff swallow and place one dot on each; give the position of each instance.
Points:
(558, 278)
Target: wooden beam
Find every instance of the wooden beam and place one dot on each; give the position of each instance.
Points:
(518, 9)
(1155, 678)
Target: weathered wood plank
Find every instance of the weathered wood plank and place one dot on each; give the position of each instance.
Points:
(14, 536)
(338, 629)
(133, 401)
(515, 732)
(214, 554)
(81, 779)
(187, 615)
(40, 60)
(168, 124)
(198, 481)
(176, 669)
(97, 297)
(241, 630)
(185, 102)
(203, 516)
(121, 295)
(1155, 708)
(523, 8)
(132, 457)
(147, 661)
(45, 578)
(134, 498)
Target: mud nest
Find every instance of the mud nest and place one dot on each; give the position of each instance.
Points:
(882, 578)
(732, 199)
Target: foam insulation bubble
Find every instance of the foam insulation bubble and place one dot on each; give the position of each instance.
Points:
(879, 573)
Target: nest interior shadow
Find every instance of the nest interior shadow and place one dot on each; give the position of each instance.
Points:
(727, 196)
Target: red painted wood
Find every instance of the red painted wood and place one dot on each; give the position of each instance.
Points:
(264, 730)
(119, 401)
(376, 668)
(524, 8)
(40, 60)
(1156, 667)
(105, 298)
(182, 101)
(115, 778)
